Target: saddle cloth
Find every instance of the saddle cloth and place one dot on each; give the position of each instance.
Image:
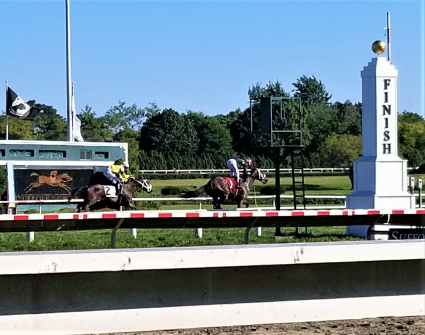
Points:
(232, 184)
(110, 191)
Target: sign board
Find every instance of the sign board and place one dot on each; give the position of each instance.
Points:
(49, 184)
(406, 234)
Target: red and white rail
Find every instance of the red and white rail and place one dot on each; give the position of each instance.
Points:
(163, 214)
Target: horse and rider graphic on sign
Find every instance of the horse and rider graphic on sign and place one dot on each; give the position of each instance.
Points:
(49, 184)
(53, 179)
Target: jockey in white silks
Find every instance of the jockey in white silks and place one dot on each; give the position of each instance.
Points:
(234, 164)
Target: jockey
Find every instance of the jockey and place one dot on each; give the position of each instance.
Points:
(234, 164)
(116, 173)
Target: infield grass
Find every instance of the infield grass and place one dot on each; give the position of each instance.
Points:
(150, 238)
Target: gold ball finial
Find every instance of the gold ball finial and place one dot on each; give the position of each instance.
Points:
(378, 47)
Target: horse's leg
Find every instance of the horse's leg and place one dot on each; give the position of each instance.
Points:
(216, 203)
(221, 200)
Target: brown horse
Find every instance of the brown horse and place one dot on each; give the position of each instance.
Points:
(96, 196)
(223, 188)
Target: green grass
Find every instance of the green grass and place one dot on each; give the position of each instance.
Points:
(149, 238)
(314, 185)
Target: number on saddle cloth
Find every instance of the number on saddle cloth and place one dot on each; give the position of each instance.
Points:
(110, 191)
(232, 183)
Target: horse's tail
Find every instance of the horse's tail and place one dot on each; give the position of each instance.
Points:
(76, 193)
(193, 194)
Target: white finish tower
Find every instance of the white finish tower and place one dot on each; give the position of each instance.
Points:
(380, 176)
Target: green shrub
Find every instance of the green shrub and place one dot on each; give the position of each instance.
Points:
(270, 189)
(155, 205)
(172, 190)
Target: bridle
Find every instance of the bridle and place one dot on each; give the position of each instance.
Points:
(144, 184)
(261, 176)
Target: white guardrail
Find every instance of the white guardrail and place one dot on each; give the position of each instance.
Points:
(286, 170)
(265, 170)
(40, 203)
(128, 290)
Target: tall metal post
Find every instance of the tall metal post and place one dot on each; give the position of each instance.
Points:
(388, 38)
(278, 231)
(277, 178)
(70, 133)
(7, 114)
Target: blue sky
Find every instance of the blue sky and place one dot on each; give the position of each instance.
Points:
(203, 55)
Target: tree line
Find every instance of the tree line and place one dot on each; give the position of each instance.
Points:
(168, 139)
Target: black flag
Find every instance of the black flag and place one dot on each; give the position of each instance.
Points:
(17, 107)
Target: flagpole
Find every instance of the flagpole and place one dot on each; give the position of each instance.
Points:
(68, 74)
(388, 38)
(7, 116)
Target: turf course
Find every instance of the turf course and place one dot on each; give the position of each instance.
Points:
(148, 238)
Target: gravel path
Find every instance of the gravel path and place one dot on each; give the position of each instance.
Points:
(375, 326)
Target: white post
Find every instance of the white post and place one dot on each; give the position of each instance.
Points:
(133, 232)
(257, 231)
(198, 232)
(30, 236)
(7, 114)
(68, 73)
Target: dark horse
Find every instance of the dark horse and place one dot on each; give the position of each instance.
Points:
(223, 188)
(95, 194)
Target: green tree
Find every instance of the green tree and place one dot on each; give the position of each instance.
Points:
(93, 128)
(169, 132)
(348, 118)
(120, 117)
(151, 110)
(411, 137)
(340, 150)
(311, 91)
(18, 129)
(131, 137)
(49, 125)
(213, 136)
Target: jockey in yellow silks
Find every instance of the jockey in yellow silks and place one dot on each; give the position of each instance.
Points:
(116, 173)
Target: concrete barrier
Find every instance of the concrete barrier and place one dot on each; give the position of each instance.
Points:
(80, 292)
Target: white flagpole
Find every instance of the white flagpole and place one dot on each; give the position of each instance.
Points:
(68, 74)
(388, 38)
(7, 116)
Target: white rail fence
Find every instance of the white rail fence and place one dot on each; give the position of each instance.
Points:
(204, 171)
(272, 198)
(283, 170)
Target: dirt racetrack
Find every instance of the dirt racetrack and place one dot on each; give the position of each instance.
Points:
(375, 326)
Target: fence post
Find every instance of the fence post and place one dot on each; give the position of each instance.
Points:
(257, 231)
(198, 232)
(133, 232)
(30, 236)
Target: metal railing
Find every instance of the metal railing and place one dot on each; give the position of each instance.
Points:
(286, 170)
(204, 171)
(200, 200)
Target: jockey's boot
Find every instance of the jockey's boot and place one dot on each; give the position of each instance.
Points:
(120, 188)
(238, 184)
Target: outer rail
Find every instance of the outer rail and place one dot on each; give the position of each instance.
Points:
(208, 219)
(170, 288)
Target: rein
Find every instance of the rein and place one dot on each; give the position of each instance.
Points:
(144, 185)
